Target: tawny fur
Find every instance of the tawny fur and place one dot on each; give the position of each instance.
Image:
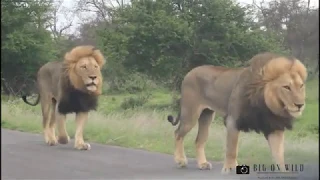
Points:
(82, 51)
(69, 86)
(266, 96)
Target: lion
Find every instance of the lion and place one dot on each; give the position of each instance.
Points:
(69, 86)
(265, 96)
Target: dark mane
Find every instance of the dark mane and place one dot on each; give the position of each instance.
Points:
(255, 115)
(74, 100)
(259, 118)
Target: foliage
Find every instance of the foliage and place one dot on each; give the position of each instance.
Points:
(164, 39)
(25, 43)
(296, 23)
(134, 102)
(154, 42)
(130, 83)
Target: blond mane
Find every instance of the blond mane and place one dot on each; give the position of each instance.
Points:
(266, 67)
(72, 57)
(79, 52)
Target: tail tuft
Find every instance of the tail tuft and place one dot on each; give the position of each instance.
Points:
(24, 98)
(170, 119)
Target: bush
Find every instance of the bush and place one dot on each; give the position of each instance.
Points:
(134, 102)
(130, 83)
(175, 105)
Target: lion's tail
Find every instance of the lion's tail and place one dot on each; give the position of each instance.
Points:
(24, 98)
(174, 121)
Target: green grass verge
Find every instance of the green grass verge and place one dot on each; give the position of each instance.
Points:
(146, 128)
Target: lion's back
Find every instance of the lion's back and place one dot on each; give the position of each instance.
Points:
(48, 76)
(212, 85)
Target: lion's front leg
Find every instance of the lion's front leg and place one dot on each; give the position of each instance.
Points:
(276, 144)
(81, 118)
(230, 161)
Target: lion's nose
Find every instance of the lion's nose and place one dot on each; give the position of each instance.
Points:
(92, 77)
(298, 105)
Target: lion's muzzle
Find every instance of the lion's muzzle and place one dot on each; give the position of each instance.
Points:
(299, 106)
(296, 110)
(93, 77)
(91, 86)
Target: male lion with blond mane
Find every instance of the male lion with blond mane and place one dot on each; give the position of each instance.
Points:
(69, 86)
(265, 97)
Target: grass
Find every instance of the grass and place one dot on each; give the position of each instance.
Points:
(146, 128)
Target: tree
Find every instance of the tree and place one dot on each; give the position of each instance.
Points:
(166, 38)
(25, 43)
(297, 23)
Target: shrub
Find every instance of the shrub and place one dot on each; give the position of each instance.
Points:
(134, 102)
(130, 83)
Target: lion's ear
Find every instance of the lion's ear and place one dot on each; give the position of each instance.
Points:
(79, 52)
(277, 66)
(300, 69)
(97, 55)
(261, 72)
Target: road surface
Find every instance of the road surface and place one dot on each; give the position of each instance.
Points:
(25, 156)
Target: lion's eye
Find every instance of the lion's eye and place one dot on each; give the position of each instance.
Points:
(83, 67)
(96, 66)
(301, 86)
(287, 87)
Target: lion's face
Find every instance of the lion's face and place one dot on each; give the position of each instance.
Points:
(88, 70)
(288, 95)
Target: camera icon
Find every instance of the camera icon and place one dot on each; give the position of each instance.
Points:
(243, 169)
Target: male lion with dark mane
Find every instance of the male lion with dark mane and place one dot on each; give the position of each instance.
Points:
(69, 86)
(264, 97)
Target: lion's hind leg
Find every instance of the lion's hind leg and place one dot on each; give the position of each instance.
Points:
(205, 120)
(52, 123)
(81, 118)
(188, 119)
(46, 105)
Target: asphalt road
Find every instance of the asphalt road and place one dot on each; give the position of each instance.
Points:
(25, 156)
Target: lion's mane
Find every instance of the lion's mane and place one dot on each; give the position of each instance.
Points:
(255, 114)
(72, 98)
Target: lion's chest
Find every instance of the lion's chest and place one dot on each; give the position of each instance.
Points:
(75, 101)
(261, 119)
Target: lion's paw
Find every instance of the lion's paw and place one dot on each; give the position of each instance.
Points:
(52, 141)
(83, 146)
(182, 162)
(63, 139)
(205, 166)
(228, 170)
